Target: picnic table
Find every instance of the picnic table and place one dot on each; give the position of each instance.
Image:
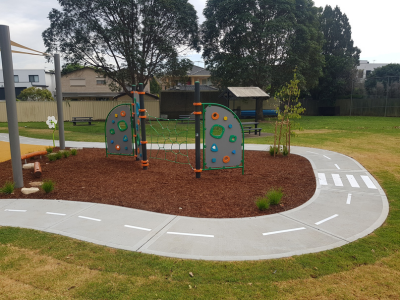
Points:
(247, 126)
(82, 119)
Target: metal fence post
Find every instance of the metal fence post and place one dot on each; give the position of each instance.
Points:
(11, 105)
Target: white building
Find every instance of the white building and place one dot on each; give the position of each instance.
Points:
(365, 68)
(24, 78)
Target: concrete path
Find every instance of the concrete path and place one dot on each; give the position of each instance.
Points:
(348, 204)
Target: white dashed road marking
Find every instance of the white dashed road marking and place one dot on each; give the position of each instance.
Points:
(57, 214)
(16, 210)
(337, 166)
(348, 199)
(190, 234)
(283, 231)
(368, 182)
(322, 179)
(93, 219)
(337, 180)
(135, 227)
(327, 157)
(312, 152)
(327, 219)
(353, 181)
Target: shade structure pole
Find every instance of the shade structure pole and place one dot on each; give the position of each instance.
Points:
(60, 112)
(11, 105)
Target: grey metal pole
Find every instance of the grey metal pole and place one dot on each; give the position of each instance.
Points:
(197, 113)
(59, 101)
(11, 105)
(387, 93)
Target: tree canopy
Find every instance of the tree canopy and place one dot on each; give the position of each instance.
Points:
(126, 40)
(260, 42)
(70, 67)
(35, 94)
(386, 74)
(341, 56)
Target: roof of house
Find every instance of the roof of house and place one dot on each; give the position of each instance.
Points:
(191, 88)
(79, 95)
(247, 92)
(198, 71)
(148, 94)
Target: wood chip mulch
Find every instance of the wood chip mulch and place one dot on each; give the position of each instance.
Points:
(172, 188)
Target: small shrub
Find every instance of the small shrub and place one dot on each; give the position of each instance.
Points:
(48, 186)
(274, 196)
(49, 149)
(66, 153)
(73, 152)
(52, 157)
(8, 188)
(262, 203)
(271, 150)
(285, 151)
(58, 155)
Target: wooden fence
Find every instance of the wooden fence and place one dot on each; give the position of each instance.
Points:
(39, 111)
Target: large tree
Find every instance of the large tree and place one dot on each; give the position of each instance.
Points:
(260, 43)
(341, 56)
(386, 75)
(128, 41)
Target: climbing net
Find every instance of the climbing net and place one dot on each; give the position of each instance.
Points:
(168, 139)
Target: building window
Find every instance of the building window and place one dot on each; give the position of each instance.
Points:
(16, 78)
(33, 78)
(100, 82)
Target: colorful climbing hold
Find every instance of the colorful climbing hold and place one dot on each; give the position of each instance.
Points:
(113, 121)
(234, 152)
(112, 142)
(112, 131)
(225, 118)
(123, 113)
(217, 136)
(117, 147)
(122, 125)
(226, 159)
(126, 148)
(230, 125)
(233, 138)
(214, 148)
(116, 115)
(215, 116)
(214, 160)
(125, 138)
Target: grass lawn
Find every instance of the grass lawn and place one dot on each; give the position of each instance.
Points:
(37, 265)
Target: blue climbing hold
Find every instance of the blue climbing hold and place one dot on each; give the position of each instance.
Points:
(234, 152)
(112, 141)
(230, 125)
(125, 138)
(214, 160)
(214, 148)
(126, 148)
(113, 121)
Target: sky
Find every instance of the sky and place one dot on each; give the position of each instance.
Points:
(374, 28)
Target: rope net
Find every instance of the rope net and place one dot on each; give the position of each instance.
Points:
(168, 139)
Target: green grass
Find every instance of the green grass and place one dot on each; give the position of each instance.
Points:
(8, 188)
(48, 186)
(262, 203)
(274, 196)
(38, 265)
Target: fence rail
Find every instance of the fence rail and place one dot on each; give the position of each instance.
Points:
(29, 111)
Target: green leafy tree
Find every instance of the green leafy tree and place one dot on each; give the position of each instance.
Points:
(35, 94)
(155, 88)
(176, 71)
(341, 56)
(128, 41)
(260, 42)
(386, 75)
(70, 67)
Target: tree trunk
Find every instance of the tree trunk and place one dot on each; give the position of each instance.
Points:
(259, 109)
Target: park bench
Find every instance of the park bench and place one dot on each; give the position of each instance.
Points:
(247, 127)
(186, 117)
(82, 119)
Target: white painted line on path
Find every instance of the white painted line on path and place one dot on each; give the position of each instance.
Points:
(312, 152)
(17, 210)
(57, 214)
(135, 227)
(283, 231)
(327, 219)
(353, 181)
(337, 166)
(368, 182)
(327, 157)
(322, 179)
(337, 180)
(348, 199)
(191, 234)
(93, 219)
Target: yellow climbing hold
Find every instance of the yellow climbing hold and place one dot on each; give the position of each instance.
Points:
(225, 118)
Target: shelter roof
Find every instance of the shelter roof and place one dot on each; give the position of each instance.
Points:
(246, 92)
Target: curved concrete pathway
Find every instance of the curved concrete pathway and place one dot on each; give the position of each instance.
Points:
(348, 204)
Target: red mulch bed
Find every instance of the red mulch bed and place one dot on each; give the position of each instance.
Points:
(172, 188)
